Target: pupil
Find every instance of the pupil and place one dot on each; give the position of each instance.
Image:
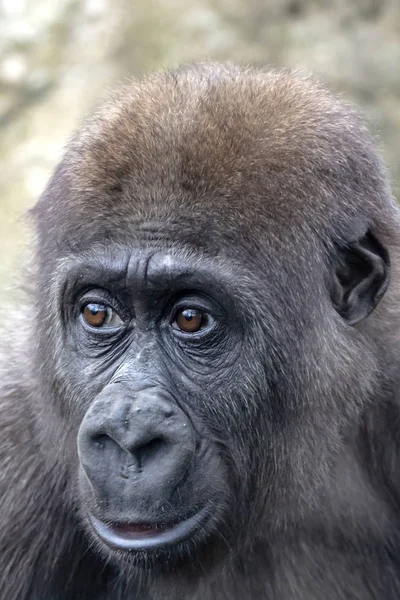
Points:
(189, 314)
(94, 309)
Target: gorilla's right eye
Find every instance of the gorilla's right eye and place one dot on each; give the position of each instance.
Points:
(100, 315)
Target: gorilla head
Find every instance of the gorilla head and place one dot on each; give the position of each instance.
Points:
(208, 252)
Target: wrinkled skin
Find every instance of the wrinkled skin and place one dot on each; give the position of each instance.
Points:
(200, 401)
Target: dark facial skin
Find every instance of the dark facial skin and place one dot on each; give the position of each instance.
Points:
(152, 466)
(149, 467)
(201, 401)
(151, 473)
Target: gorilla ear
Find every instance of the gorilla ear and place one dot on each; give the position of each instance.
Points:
(360, 278)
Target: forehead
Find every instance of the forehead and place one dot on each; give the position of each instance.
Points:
(174, 139)
(209, 153)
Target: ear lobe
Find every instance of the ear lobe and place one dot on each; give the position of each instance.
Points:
(360, 278)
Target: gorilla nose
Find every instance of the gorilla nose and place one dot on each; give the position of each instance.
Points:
(135, 449)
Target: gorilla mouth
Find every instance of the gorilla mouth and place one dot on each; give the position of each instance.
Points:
(147, 536)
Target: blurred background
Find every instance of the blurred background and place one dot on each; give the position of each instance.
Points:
(60, 58)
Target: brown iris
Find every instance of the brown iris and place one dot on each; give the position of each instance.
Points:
(189, 320)
(96, 315)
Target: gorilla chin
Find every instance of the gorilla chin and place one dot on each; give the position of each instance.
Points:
(139, 537)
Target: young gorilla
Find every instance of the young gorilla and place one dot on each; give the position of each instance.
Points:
(199, 403)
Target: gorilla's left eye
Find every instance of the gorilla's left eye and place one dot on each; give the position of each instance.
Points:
(100, 315)
(192, 320)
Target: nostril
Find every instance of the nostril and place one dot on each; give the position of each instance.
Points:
(100, 440)
(145, 453)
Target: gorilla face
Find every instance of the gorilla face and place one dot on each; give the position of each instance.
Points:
(196, 313)
(152, 338)
(172, 362)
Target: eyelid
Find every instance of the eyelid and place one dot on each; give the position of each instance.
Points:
(200, 303)
(190, 306)
(97, 296)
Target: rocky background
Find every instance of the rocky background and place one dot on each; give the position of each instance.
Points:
(60, 58)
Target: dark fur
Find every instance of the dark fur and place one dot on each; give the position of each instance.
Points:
(264, 175)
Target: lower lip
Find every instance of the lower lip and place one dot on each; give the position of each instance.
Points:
(131, 537)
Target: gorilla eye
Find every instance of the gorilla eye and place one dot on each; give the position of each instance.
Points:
(191, 320)
(100, 315)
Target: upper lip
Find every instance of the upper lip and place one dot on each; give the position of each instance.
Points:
(147, 536)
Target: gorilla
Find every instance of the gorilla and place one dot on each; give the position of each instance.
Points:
(204, 404)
